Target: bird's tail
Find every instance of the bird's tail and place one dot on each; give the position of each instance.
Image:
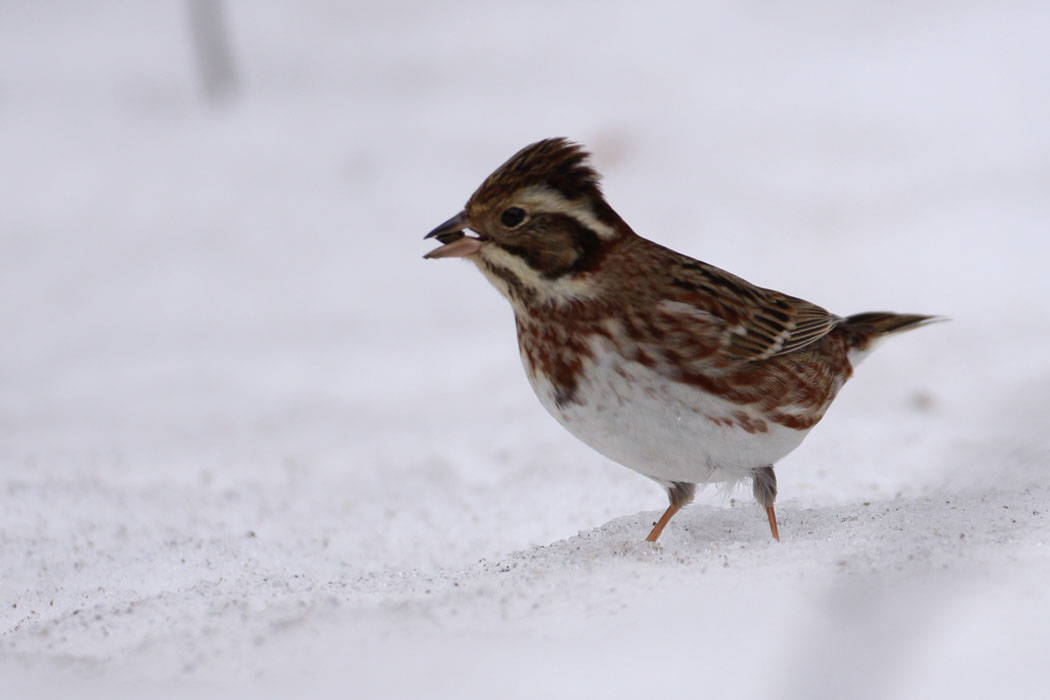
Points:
(883, 322)
(866, 330)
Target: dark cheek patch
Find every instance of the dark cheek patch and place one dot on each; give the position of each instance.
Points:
(557, 244)
(590, 246)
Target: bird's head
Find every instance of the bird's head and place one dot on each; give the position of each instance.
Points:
(541, 224)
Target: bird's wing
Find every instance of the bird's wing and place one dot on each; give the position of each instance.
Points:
(754, 323)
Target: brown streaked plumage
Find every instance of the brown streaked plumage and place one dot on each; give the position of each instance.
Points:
(677, 369)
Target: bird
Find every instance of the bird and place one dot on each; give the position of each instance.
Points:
(670, 366)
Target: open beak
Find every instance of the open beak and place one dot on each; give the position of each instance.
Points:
(455, 242)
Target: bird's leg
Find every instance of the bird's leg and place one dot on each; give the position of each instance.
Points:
(664, 519)
(772, 516)
(765, 490)
(679, 494)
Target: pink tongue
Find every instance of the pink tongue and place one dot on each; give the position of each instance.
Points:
(456, 249)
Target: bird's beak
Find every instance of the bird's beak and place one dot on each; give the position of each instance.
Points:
(455, 243)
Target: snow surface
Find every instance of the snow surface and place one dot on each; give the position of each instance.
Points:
(253, 445)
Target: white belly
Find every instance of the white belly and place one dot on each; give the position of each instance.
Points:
(665, 430)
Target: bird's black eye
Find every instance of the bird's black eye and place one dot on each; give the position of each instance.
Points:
(512, 217)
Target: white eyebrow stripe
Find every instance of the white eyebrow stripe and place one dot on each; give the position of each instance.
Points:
(544, 199)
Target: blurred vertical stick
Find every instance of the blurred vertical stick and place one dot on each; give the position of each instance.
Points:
(212, 46)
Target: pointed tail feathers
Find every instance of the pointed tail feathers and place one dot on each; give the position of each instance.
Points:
(867, 330)
(883, 322)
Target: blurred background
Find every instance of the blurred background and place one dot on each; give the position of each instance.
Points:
(228, 208)
(217, 320)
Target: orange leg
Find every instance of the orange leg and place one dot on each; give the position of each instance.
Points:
(772, 522)
(765, 490)
(662, 523)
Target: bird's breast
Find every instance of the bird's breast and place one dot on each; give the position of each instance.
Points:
(640, 415)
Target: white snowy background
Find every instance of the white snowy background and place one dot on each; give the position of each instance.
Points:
(251, 444)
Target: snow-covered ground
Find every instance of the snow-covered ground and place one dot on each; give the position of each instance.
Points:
(252, 444)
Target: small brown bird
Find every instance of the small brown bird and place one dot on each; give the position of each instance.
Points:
(670, 366)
